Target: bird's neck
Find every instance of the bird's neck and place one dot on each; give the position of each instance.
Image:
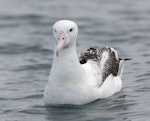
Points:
(68, 53)
(66, 66)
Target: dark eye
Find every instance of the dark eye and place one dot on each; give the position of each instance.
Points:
(71, 30)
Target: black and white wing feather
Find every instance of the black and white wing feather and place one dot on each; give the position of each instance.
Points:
(107, 58)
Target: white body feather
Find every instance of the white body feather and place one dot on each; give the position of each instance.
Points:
(73, 83)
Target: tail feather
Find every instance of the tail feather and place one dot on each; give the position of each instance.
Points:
(121, 68)
(125, 59)
(121, 65)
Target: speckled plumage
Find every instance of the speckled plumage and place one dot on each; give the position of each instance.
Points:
(111, 65)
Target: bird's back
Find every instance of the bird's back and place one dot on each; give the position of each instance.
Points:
(106, 59)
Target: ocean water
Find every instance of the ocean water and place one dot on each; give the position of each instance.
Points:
(26, 54)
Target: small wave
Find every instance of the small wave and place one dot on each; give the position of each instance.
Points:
(33, 96)
(34, 67)
(21, 17)
(22, 49)
(9, 21)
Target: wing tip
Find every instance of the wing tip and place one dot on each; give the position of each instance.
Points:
(125, 59)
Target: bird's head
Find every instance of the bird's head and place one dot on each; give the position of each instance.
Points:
(65, 33)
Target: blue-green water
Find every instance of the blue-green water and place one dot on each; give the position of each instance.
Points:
(26, 52)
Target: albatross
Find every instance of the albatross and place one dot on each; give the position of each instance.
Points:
(74, 80)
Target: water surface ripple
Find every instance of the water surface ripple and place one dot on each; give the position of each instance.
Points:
(26, 53)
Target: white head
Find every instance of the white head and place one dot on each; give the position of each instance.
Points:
(65, 33)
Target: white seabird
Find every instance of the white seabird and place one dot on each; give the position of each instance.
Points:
(80, 80)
